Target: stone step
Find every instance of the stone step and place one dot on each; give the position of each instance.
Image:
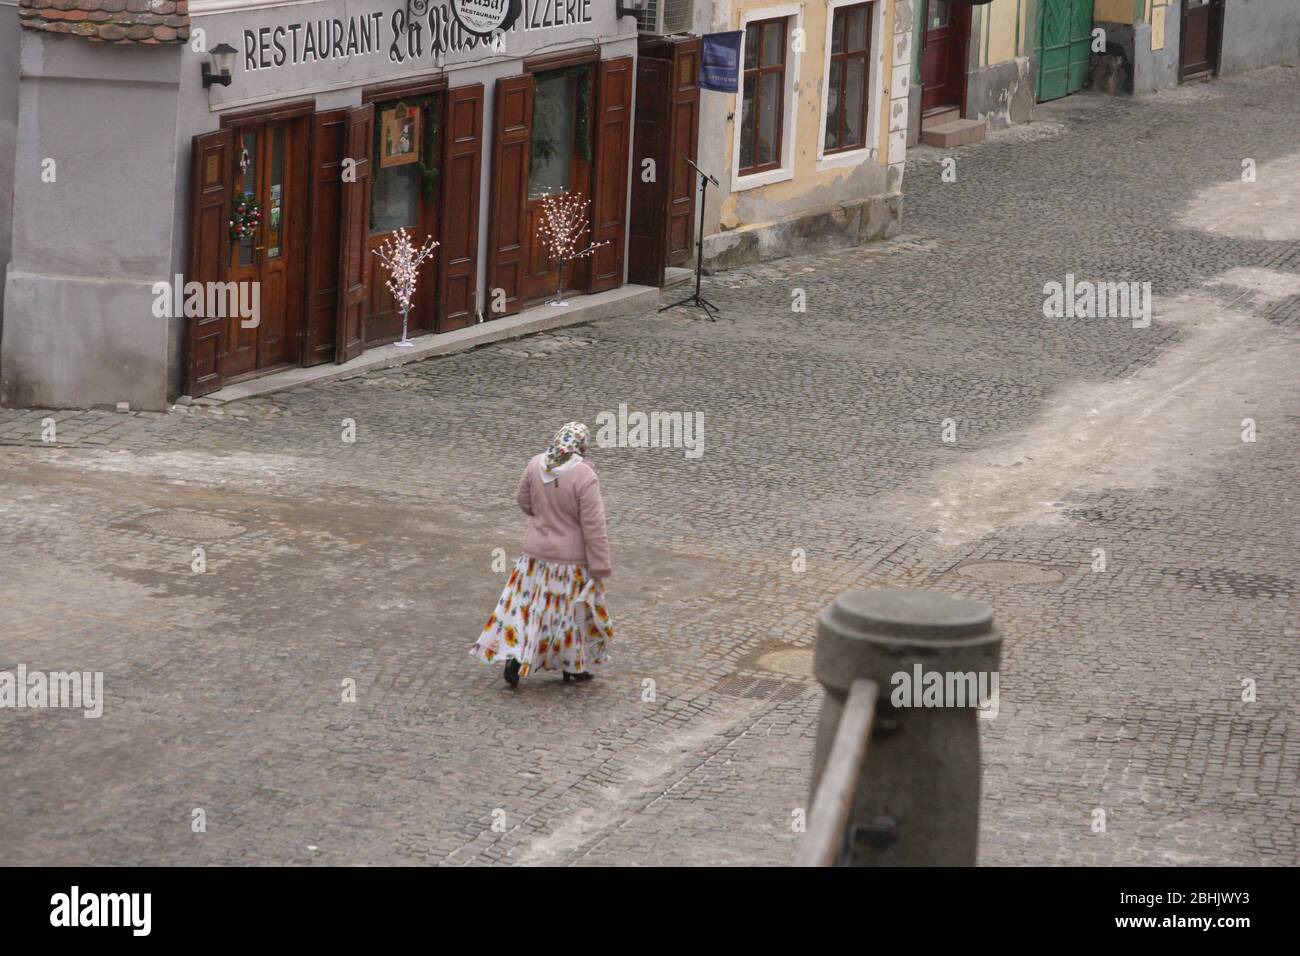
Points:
(957, 133)
(939, 115)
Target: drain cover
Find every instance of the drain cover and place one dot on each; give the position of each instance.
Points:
(761, 688)
(1010, 572)
(188, 524)
(795, 661)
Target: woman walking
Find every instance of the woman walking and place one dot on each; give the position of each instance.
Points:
(552, 615)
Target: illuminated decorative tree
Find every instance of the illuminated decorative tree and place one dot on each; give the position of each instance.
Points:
(563, 229)
(403, 261)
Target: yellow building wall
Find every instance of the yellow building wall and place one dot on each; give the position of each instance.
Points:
(807, 101)
(1002, 26)
(1157, 10)
(1112, 11)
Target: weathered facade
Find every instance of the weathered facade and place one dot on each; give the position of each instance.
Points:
(1156, 44)
(978, 63)
(340, 121)
(811, 157)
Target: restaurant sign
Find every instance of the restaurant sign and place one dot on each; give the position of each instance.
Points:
(424, 30)
(485, 17)
(290, 48)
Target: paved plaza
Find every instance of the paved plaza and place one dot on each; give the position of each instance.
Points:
(919, 424)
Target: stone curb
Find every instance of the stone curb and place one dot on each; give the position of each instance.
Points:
(587, 308)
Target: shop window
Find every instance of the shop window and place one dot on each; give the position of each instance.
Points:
(560, 129)
(405, 166)
(848, 79)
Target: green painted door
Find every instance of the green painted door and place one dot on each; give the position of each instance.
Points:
(1064, 46)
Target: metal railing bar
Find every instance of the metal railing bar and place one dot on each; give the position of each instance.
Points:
(829, 816)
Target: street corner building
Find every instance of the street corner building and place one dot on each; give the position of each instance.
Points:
(159, 150)
(809, 149)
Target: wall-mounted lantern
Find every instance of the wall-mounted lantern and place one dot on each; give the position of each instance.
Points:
(632, 8)
(218, 71)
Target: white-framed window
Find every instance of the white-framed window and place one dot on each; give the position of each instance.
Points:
(851, 78)
(764, 131)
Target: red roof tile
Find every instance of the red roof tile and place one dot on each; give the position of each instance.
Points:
(111, 21)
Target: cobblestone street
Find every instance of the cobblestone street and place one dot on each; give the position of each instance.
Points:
(1120, 690)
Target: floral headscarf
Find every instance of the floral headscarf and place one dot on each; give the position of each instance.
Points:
(570, 440)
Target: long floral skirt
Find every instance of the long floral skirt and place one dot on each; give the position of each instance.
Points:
(551, 616)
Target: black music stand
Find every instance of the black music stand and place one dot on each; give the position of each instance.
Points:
(695, 298)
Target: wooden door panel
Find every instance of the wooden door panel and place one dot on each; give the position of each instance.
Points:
(1199, 46)
(613, 144)
(383, 321)
(684, 145)
(271, 345)
(329, 141)
(936, 54)
(651, 138)
(241, 341)
(354, 269)
(462, 165)
(209, 250)
(273, 331)
(507, 236)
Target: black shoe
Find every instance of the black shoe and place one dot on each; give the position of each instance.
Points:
(586, 675)
(512, 672)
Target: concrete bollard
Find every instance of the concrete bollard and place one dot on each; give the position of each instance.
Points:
(917, 800)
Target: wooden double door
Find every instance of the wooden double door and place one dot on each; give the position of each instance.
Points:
(1064, 47)
(1200, 37)
(561, 128)
(311, 176)
(266, 264)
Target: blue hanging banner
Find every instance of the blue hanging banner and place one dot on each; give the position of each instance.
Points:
(720, 61)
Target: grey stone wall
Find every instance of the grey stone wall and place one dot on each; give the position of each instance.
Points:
(1004, 93)
(9, 31)
(1144, 70)
(88, 247)
(1259, 33)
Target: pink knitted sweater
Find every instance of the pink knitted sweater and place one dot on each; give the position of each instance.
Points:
(566, 517)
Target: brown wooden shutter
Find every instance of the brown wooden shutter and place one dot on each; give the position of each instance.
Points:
(461, 163)
(205, 336)
(354, 267)
(685, 121)
(613, 144)
(328, 142)
(512, 143)
(649, 219)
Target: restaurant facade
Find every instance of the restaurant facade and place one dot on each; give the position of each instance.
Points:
(274, 146)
